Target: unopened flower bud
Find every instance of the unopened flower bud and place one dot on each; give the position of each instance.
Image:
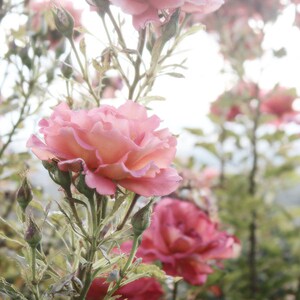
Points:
(63, 178)
(26, 60)
(38, 51)
(50, 75)
(82, 187)
(113, 276)
(66, 68)
(24, 194)
(64, 22)
(141, 220)
(49, 166)
(102, 5)
(32, 234)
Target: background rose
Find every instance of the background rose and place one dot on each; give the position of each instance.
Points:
(41, 14)
(113, 146)
(141, 289)
(184, 240)
(144, 11)
(279, 103)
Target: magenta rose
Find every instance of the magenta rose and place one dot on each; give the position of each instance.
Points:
(145, 11)
(111, 146)
(141, 289)
(184, 240)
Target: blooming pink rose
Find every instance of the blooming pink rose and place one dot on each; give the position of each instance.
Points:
(184, 240)
(279, 103)
(145, 11)
(113, 146)
(141, 289)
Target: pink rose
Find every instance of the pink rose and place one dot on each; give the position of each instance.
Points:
(184, 240)
(145, 11)
(97, 290)
(228, 113)
(113, 146)
(227, 109)
(202, 7)
(141, 289)
(279, 103)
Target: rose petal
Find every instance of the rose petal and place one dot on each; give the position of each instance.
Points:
(164, 183)
(102, 185)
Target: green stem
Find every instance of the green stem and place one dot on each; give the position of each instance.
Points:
(33, 270)
(175, 289)
(94, 215)
(140, 48)
(119, 67)
(84, 73)
(134, 248)
(130, 259)
(103, 208)
(87, 274)
(75, 213)
(88, 271)
(16, 125)
(33, 262)
(120, 35)
(130, 209)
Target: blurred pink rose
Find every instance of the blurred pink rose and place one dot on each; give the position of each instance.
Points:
(141, 289)
(97, 290)
(113, 146)
(202, 7)
(228, 108)
(228, 113)
(279, 103)
(38, 19)
(198, 180)
(110, 85)
(184, 240)
(145, 11)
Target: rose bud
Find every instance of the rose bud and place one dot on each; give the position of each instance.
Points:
(24, 194)
(64, 22)
(142, 219)
(32, 234)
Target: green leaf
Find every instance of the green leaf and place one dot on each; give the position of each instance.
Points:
(7, 107)
(10, 291)
(4, 237)
(176, 75)
(148, 99)
(97, 66)
(210, 147)
(150, 270)
(82, 46)
(192, 30)
(195, 131)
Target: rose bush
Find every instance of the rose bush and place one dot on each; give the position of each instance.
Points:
(144, 288)
(112, 146)
(148, 11)
(184, 240)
